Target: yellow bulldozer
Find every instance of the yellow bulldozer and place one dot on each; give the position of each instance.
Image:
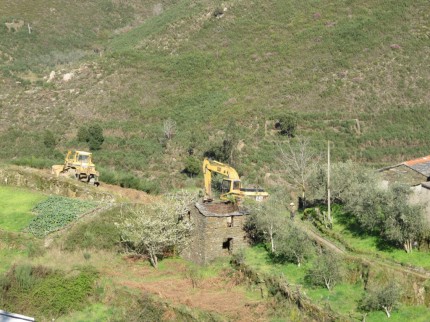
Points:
(231, 186)
(78, 165)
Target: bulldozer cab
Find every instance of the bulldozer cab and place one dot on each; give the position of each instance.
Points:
(83, 158)
(80, 158)
(78, 165)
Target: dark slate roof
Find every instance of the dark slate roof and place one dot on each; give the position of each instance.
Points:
(420, 165)
(208, 211)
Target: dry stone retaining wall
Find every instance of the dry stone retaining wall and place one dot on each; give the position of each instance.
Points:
(36, 180)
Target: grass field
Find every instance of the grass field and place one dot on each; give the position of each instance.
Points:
(16, 205)
(369, 244)
(343, 298)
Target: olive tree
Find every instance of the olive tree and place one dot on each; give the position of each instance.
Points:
(385, 211)
(293, 244)
(325, 271)
(268, 219)
(381, 298)
(404, 222)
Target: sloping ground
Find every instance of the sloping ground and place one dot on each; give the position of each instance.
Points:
(355, 73)
(214, 294)
(44, 181)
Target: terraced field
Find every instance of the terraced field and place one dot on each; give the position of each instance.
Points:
(16, 205)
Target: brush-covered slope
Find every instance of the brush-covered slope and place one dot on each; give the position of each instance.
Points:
(355, 73)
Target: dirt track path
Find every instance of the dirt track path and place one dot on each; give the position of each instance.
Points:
(320, 240)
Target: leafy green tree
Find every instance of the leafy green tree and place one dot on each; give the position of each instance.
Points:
(387, 212)
(293, 244)
(269, 219)
(192, 166)
(381, 298)
(226, 152)
(96, 137)
(404, 222)
(92, 134)
(82, 135)
(346, 179)
(325, 271)
(49, 139)
(288, 124)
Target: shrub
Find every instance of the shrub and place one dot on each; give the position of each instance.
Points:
(288, 125)
(57, 294)
(45, 292)
(192, 166)
(23, 276)
(93, 135)
(49, 139)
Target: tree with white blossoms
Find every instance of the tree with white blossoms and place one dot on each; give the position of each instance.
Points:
(153, 229)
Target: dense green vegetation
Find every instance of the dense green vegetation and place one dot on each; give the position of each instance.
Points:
(346, 230)
(45, 293)
(16, 205)
(343, 299)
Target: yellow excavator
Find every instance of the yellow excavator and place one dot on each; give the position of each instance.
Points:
(231, 186)
(78, 165)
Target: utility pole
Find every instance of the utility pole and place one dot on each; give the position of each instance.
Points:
(328, 182)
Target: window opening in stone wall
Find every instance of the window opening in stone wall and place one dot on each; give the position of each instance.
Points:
(228, 244)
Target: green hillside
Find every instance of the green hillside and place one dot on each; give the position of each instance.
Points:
(355, 73)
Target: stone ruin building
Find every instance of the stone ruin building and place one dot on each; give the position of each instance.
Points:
(218, 231)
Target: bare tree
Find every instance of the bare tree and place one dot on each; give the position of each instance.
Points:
(169, 128)
(299, 160)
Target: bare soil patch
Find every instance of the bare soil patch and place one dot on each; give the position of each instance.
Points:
(214, 294)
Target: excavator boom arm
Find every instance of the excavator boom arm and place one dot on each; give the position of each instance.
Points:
(210, 166)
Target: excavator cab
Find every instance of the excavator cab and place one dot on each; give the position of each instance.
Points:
(230, 186)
